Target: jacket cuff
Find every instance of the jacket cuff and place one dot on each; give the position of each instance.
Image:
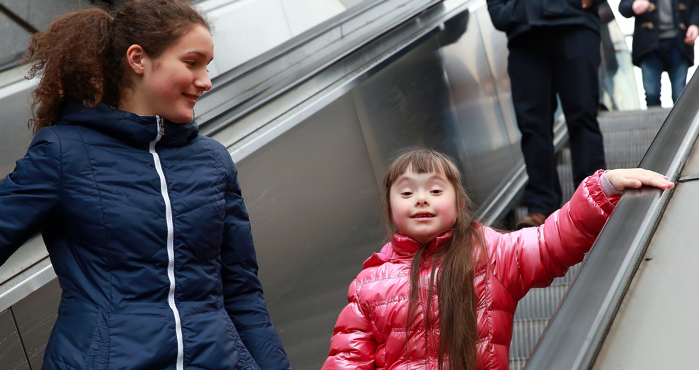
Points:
(607, 187)
(595, 190)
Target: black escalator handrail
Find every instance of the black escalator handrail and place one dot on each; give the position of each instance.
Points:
(224, 105)
(576, 332)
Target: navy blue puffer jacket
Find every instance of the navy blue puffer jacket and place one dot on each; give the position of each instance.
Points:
(148, 234)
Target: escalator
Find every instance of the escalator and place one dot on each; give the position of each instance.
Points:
(630, 305)
(312, 125)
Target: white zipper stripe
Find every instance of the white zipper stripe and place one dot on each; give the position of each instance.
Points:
(170, 246)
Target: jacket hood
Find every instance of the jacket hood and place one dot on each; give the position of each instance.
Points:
(404, 247)
(126, 126)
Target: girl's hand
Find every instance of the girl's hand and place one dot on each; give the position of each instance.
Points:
(640, 6)
(636, 177)
(586, 4)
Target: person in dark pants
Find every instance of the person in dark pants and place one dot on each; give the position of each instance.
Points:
(554, 49)
(663, 41)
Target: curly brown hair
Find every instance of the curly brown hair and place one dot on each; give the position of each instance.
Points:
(82, 55)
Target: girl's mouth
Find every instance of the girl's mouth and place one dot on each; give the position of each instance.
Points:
(423, 215)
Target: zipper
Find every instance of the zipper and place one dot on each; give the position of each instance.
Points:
(170, 243)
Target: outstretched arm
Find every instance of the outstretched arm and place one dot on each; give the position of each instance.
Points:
(31, 193)
(241, 288)
(352, 345)
(533, 257)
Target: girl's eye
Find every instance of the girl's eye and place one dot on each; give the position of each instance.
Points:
(406, 193)
(436, 192)
(190, 63)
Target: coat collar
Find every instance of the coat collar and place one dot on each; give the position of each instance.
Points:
(404, 248)
(127, 126)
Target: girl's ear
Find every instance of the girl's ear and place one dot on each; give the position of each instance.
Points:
(135, 57)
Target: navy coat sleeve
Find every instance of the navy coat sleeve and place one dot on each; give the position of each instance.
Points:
(502, 13)
(30, 194)
(694, 20)
(626, 8)
(242, 289)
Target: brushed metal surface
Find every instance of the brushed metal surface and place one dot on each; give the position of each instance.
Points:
(313, 203)
(35, 316)
(12, 355)
(657, 323)
(16, 135)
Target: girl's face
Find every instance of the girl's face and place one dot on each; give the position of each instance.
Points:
(423, 205)
(173, 82)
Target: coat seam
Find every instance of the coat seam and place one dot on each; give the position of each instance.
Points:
(397, 275)
(99, 194)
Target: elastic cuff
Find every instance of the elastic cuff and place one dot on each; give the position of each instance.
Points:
(607, 187)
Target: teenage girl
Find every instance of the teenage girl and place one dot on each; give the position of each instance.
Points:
(142, 217)
(442, 294)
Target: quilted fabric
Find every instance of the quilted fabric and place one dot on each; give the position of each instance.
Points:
(370, 332)
(91, 187)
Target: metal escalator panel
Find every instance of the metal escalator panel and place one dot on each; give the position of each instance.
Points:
(578, 330)
(657, 322)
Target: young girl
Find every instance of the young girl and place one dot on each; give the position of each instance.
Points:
(442, 294)
(142, 217)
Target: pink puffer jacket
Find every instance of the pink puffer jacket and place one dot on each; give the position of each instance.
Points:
(370, 332)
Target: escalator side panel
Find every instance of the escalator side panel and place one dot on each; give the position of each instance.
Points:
(11, 351)
(440, 96)
(313, 204)
(16, 136)
(657, 323)
(495, 45)
(482, 128)
(35, 317)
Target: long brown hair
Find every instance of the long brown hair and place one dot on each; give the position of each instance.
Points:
(82, 55)
(454, 279)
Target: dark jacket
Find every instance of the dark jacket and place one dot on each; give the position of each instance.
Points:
(646, 33)
(150, 240)
(518, 16)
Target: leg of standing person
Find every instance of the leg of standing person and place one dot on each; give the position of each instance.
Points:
(534, 102)
(575, 74)
(676, 66)
(651, 69)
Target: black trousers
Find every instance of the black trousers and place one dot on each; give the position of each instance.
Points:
(541, 63)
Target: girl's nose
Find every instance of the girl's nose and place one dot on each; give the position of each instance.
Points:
(421, 199)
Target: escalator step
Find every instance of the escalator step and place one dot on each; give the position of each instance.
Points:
(627, 136)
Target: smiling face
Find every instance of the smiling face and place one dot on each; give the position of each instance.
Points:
(170, 85)
(423, 205)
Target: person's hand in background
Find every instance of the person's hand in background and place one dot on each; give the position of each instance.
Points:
(640, 6)
(692, 33)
